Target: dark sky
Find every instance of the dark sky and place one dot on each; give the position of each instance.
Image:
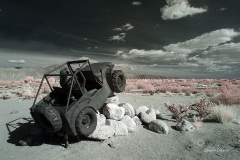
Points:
(186, 38)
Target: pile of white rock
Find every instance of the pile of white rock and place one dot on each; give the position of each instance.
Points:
(119, 119)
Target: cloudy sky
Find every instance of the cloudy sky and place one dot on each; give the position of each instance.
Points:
(177, 38)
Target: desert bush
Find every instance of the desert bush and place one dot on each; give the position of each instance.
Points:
(179, 111)
(230, 94)
(197, 123)
(202, 107)
(144, 84)
(223, 114)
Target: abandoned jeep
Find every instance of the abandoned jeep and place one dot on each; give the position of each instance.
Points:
(83, 89)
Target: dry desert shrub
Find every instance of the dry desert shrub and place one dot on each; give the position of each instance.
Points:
(202, 106)
(29, 79)
(6, 95)
(179, 111)
(197, 123)
(223, 114)
(230, 94)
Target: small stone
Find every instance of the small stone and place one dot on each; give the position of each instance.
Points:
(6, 95)
(113, 99)
(14, 112)
(130, 123)
(159, 115)
(129, 110)
(112, 111)
(26, 141)
(119, 127)
(102, 132)
(159, 126)
(141, 109)
(185, 126)
(137, 120)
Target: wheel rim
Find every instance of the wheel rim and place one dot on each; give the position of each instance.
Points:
(86, 121)
(119, 81)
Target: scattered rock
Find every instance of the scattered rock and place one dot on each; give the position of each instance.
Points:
(186, 126)
(112, 145)
(102, 132)
(6, 95)
(159, 115)
(119, 127)
(159, 126)
(26, 141)
(141, 109)
(14, 112)
(129, 110)
(101, 119)
(146, 118)
(112, 111)
(113, 99)
(137, 120)
(130, 123)
(151, 112)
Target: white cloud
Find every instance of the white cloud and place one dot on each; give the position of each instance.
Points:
(120, 37)
(154, 65)
(117, 29)
(17, 61)
(87, 58)
(136, 3)
(176, 9)
(211, 65)
(223, 9)
(125, 66)
(216, 52)
(152, 54)
(203, 42)
(187, 64)
(125, 27)
(228, 52)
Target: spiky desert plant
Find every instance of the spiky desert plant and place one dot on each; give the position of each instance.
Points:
(179, 111)
(201, 106)
(223, 114)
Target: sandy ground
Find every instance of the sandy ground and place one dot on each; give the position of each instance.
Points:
(211, 141)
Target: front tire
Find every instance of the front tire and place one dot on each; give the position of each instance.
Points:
(48, 118)
(119, 81)
(86, 122)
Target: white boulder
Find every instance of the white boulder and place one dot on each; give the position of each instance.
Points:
(159, 114)
(159, 126)
(149, 116)
(102, 132)
(112, 111)
(101, 119)
(151, 112)
(140, 110)
(129, 110)
(113, 99)
(186, 126)
(146, 118)
(137, 120)
(119, 127)
(130, 123)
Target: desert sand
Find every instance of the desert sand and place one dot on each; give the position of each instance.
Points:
(211, 141)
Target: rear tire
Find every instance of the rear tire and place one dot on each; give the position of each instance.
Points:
(48, 118)
(86, 122)
(119, 81)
